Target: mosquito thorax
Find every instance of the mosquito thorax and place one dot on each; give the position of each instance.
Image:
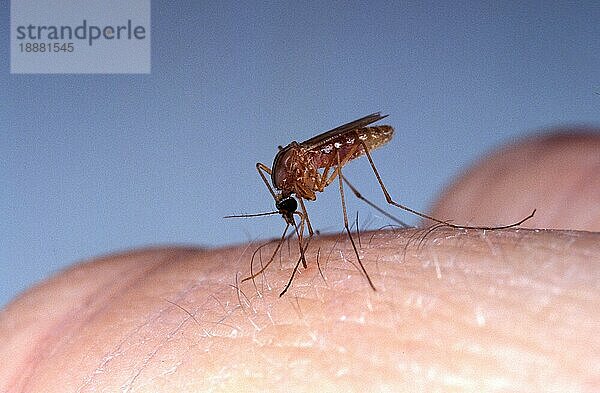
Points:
(283, 176)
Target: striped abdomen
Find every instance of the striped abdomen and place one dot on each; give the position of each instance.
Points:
(372, 137)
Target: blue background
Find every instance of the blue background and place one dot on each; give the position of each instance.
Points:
(92, 164)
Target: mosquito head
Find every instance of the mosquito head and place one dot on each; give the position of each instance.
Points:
(287, 207)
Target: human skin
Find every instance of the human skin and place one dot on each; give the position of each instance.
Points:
(454, 310)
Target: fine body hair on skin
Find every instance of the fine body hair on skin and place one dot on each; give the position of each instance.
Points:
(463, 310)
(468, 310)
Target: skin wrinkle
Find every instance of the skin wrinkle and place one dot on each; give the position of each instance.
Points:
(151, 357)
(118, 351)
(434, 313)
(128, 386)
(120, 293)
(59, 332)
(212, 297)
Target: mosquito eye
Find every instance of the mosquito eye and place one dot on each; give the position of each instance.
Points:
(288, 205)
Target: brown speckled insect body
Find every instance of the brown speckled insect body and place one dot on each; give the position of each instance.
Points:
(301, 170)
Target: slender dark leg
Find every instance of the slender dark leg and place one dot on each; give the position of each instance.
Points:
(340, 163)
(358, 230)
(408, 209)
(339, 170)
(305, 213)
(373, 205)
(302, 250)
(263, 168)
(300, 235)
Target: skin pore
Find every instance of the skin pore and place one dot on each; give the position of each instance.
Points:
(461, 310)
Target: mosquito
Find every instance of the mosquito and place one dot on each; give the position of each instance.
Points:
(301, 170)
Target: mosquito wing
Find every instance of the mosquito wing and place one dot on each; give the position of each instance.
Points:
(337, 132)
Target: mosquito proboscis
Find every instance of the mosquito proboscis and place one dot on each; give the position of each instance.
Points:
(300, 170)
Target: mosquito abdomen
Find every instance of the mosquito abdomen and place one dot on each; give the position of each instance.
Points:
(372, 137)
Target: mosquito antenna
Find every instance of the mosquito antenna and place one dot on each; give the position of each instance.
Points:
(252, 215)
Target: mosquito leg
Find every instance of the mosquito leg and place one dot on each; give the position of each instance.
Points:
(339, 170)
(408, 209)
(262, 169)
(300, 235)
(358, 230)
(301, 245)
(320, 185)
(340, 164)
(324, 182)
(305, 213)
(373, 205)
(302, 249)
